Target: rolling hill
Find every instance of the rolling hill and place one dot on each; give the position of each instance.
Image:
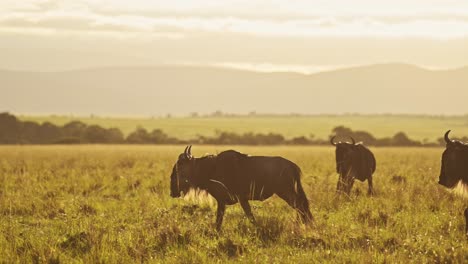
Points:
(159, 90)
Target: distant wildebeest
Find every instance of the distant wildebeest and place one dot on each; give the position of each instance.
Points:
(454, 167)
(232, 177)
(353, 161)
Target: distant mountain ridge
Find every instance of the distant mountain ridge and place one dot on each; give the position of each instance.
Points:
(159, 90)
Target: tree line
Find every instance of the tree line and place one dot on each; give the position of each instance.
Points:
(15, 131)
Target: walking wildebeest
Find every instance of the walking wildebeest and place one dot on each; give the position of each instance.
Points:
(232, 177)
(353, 161)
(454, 167)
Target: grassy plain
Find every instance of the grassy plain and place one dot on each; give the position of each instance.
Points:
(417, 127)
(111, 204)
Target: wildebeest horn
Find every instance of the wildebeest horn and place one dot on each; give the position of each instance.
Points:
(352, 139)
(185, 151)
(189, 151)
(446, 137)
(332, 141)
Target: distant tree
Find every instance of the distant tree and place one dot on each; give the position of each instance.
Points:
(10, 129)
(270, 139)
(69, 140)
(441, 141)
(384, 142)
(49, 133)
(342, 130)
(401, 139)
(30, 133)
(157, 136)
(14, 131)
(226, 138)
(74, 129)
(96, 134)
(364, 136)
(115, 135)
(300, 141)
(342, 133)
(139, 136)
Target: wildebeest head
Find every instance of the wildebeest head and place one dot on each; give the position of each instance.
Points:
(454, 166)
(181, 172)
(344, 154)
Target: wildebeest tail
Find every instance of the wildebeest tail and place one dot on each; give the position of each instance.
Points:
(302, 202)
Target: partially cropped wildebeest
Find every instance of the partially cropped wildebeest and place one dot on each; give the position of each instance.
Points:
(232, 177)
(353, 161)
(454, 168)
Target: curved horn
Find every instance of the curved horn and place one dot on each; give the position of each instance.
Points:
(352, 139)
(332, 141)
(189, 152)
(446, 137)
(186, 152)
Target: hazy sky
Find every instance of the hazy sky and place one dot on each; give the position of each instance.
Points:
(259, 34)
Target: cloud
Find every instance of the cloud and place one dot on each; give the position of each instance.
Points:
(314, 27)
(146, 19)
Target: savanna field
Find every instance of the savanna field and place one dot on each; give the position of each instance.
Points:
(111, 204)
(109, 109)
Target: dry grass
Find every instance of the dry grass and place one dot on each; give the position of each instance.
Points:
(111, 204)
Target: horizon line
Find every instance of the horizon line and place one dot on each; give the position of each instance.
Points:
(227, 115)
(303, 69)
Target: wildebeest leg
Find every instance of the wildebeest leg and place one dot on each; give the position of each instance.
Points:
(345, 184)
(220, 214)
(291, 199)
(349, 186)
(371, 188)
(247, 210)
(466, 221)
(340, 184)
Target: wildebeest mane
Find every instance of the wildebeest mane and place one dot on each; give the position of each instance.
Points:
(206, 167)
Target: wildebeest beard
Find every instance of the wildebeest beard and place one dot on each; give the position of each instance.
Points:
(232, 177)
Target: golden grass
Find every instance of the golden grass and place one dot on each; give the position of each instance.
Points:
(111, 204)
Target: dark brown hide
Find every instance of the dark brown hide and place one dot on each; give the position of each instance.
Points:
(454, 166)
(353, 161)
(232, 177)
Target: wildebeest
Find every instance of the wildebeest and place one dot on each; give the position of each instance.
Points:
(353, 161)
(454, 167)
(232, 177)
